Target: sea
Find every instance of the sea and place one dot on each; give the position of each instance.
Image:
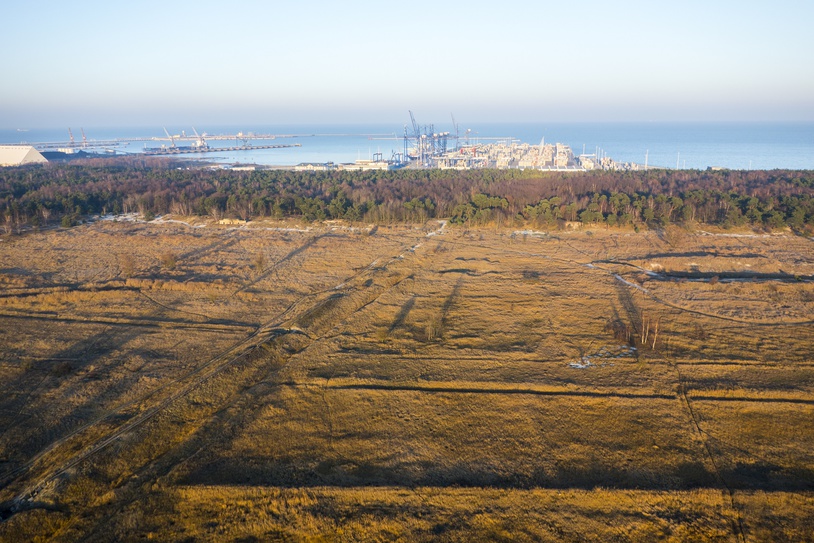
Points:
(740, 146)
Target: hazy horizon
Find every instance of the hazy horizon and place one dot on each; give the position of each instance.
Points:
(194, 63)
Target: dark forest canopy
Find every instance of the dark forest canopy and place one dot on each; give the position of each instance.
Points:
(35, 195)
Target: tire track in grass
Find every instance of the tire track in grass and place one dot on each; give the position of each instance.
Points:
(23, 499)
(737, 522)
(219, 362)
(367, 296)
(273, 268)
(656, 299)
(430, 388)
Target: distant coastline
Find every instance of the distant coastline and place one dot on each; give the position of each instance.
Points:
(739, 146)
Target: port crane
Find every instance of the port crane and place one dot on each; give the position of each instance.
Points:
(244, 139)
(172, 139)
(457, 132)
(428, 144)
(416, 129)
(200, 143)
(540, 159)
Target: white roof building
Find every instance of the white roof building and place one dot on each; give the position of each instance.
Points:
(365, 165)
(17, 155)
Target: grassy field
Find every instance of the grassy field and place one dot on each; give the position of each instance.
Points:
(183, 381)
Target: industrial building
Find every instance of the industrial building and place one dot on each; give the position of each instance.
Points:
(509, 155)
(315, 167)
(368, 165)
(18, 155)
(424, 147)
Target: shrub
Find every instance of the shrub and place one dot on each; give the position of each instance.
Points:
(169, 260)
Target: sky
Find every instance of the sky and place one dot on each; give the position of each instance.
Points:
(155, 63)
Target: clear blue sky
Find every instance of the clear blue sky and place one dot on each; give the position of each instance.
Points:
(89, 63)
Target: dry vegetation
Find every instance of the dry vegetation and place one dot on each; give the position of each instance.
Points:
(273, 382)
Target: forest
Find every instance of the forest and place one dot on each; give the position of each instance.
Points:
(65, 194)
(483, 378)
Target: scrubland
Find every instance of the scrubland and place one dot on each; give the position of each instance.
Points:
(184, 381)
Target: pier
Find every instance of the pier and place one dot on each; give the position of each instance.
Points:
(195, 150)
(199, 142)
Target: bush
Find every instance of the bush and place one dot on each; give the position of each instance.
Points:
(169, 260)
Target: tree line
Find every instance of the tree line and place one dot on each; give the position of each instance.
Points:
(41, 194)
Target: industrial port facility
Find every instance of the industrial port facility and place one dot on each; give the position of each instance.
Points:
(425, 147)
(422, 146)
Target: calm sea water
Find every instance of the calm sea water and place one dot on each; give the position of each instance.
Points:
(682, 145)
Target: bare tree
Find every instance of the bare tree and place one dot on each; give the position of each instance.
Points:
(650, 331)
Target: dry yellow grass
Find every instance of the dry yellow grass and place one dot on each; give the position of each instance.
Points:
(281, 383)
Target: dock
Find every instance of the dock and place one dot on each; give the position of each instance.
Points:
(189, 150)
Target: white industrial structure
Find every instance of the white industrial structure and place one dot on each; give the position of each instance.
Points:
(18, 155)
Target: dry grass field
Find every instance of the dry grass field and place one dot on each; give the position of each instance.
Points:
(184, 381)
